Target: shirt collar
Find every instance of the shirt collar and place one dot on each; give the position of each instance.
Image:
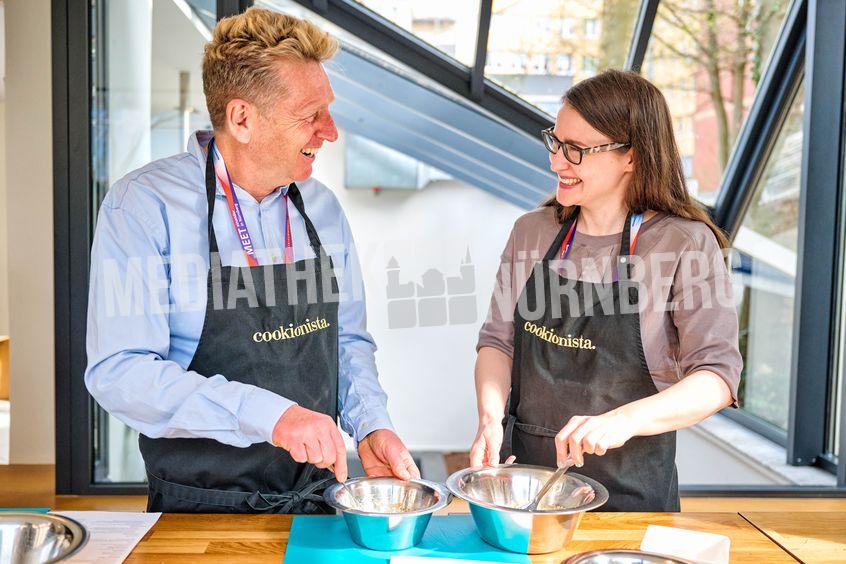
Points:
(198, 145)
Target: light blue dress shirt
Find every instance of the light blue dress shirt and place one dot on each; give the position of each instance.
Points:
(147, 304)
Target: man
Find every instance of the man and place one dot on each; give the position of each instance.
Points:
(236, 398)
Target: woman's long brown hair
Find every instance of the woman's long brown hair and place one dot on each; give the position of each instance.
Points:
(628, 108)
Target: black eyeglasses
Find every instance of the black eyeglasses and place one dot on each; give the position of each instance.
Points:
(573, 153)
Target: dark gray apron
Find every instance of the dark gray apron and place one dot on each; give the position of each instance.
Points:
(551, 383)
(206, 476)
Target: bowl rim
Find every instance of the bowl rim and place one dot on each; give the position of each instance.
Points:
(445, 497)
(80, 532)
(577, 558)
(600, 490)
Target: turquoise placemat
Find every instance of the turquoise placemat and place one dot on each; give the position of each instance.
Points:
(326, 540)
(24, 509)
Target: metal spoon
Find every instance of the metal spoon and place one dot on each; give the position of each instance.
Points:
(356, 501)
(548, 485)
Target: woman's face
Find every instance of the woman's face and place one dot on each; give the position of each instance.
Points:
(602, 178)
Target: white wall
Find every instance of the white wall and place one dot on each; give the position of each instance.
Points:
(427, 371)
(4, 260)
(703, 460)
(4, 266)
(29, 201)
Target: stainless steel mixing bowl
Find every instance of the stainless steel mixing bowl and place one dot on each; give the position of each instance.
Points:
(387, 513)
(623, 557)
(29, 538)
(496, 494)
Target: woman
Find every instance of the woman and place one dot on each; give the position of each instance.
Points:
(612, 323)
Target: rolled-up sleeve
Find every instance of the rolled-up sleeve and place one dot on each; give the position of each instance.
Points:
(363, 404)
(128, 339)
(498, 329)
(704, 312)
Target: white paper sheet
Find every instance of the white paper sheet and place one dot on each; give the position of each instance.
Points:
(704, 548)
(111, 534)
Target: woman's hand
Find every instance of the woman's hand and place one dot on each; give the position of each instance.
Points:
(685, 403)
(593, 434)
(485, 449)
(493, 382)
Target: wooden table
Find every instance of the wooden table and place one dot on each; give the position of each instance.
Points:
(262, 538)
(810, 537)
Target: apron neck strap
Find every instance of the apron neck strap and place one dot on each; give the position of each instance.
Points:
(626, 238)
(313, 238)
(293, 194)
(626, 248)
(211, 190)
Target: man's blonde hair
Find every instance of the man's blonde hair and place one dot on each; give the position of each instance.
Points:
(240, 60)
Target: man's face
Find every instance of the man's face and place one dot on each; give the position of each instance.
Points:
(291, 129)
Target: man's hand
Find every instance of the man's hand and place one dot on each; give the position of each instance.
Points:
(383, 454)
(311, 437)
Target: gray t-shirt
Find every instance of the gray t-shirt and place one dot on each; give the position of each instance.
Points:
(688, 319)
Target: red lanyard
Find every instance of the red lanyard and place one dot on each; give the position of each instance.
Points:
(238, 217)
(634, 231)
(289, 240)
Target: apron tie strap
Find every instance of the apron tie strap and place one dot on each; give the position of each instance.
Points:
(288, 500)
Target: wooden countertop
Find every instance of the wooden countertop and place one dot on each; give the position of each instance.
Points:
(263, 538)
(815, 537)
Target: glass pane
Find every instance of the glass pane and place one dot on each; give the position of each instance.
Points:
(147, 99)
(837, 392)
(451, 27)
(765, 276)
(836, 399)
(206, 10)
(347, 39)
(539, 49)
(707, 57)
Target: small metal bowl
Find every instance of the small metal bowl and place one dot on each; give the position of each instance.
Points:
(30, 538)
(623, 557)
(387, 513)
(496, 494)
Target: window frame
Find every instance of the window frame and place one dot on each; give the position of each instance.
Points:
(811, 45)
(73, 208)
(821, 212)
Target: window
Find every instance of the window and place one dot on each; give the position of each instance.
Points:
(147, 100)
(765, 276)
(568, 27)
(834, 430)
(592, 28)
(537, 64)
(451, 27)
(835, 407)
(838, 399)
(563, 64)
(515, 26)
(588, 64)
(724, 48)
